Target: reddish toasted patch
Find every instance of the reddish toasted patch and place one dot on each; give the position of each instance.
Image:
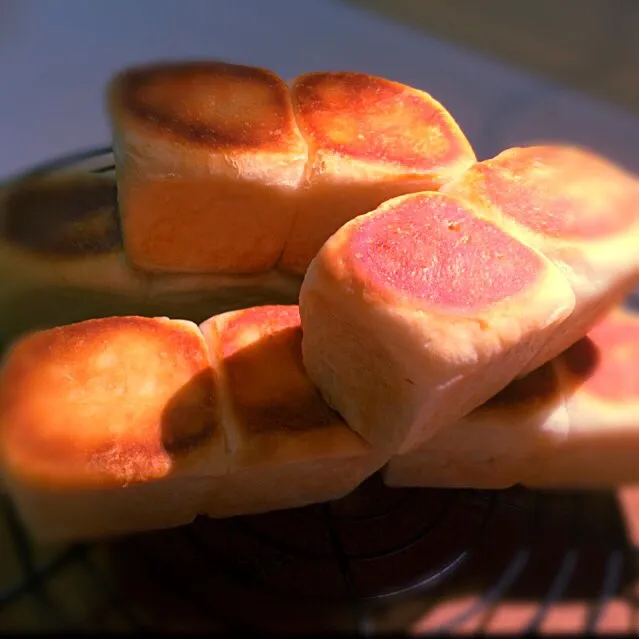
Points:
(266, 379)
(615, 377)
(211, 103)
(372, 119)
(114, 398)
(431, 247)
(557, 191)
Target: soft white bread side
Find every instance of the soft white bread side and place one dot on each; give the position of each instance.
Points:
(369, 139)
(62, 261)
(109, 426)
(417, 313)
(580, 210)
(491, 446)
(601, 381)
(209, 159)
(573, 423)
(286, 447)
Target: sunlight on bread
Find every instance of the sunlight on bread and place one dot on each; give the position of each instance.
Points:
(109, 425)
(458, 320)
(224, 169)
(125, 424)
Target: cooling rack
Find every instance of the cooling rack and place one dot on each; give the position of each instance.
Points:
(379, 556)
(379, 560)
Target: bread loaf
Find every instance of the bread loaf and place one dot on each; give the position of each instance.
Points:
(573, 423)
(422, 290)
(62, 261)
(416, 310)
(124, 424)
(580, 210)
(420, 311)
(109, 426)
(208, 158)
(223, 169)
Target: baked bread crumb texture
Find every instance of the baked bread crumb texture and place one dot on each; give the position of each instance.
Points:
(287, 287)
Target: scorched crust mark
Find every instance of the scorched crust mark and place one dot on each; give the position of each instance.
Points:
(173, 118)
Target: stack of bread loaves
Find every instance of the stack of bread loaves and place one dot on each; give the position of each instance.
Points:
(228, 182)
(441, 327)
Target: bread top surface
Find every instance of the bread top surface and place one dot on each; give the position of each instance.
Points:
(379, 121)
(433, 249)
(106, 402)
(557, 191)
(269, 392)
(71, 216)
(604, 365)
(211, 105)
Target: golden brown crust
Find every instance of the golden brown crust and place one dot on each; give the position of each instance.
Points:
(228, 107)
(208, 153)
(557, 191)
(106, 402)
(207, 144)
(265, 378)
(60, 217)
(371, 119)
(369, 139)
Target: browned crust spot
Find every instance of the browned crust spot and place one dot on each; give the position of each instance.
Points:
(70, 216)
(373, 119)
(227, 106)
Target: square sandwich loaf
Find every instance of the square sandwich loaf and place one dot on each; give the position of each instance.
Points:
(125, 424)
(226, 169)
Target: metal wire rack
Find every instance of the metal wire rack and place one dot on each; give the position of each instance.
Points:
(338, 565)
(434, 561)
